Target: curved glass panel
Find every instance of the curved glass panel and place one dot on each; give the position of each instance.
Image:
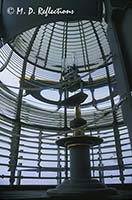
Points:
(32, 119)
